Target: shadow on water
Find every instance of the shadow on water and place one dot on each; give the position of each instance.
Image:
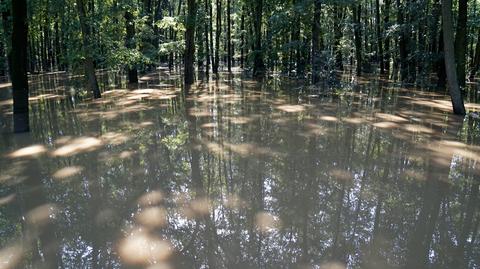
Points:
(238, 174)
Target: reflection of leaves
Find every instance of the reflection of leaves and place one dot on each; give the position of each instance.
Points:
(175, 141)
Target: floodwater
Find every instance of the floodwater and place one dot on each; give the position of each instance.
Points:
(239, 174)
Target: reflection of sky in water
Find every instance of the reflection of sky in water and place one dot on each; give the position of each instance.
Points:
(238, 174)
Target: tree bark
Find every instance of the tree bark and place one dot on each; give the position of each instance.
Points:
(316, 44)
(452, 81)
(358, 36)
(461, 41)
(19, 67)
(258, 63)
(88, 62)
(229, 36)
(379, 37)
(190, 43)
(130, 44)
(218, 35)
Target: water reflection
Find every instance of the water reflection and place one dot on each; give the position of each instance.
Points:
(240, 174)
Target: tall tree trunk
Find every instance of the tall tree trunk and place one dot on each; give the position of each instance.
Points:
(242, 30)
(338, 17)
(258, 63)
(207, 44)
(218, 35)
(387, 56)
(456, 95)
(229, 36)
(461, 41)
(190, 43)
(19, 67)
(130, 44)
(316, 43)
(357, 11)
(476, 62)
(88, 62)
(379, 37)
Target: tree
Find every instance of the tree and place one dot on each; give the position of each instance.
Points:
(452, 81)
(316, 44)
(130, 44)
(19, 67)
(461, 41)
(190, 43)
(89, 64)
(258, 63)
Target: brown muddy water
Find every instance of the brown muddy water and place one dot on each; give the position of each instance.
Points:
(238, 174)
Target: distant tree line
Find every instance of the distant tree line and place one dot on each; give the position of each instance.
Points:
(405, 40)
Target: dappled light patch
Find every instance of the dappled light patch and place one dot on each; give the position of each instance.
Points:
(197, 208)
(448, 148)
(415, 175)
(42, 215)
(386, 125)
(316, 129)
(115, 138)
(11, 256)
(292, 108)
(239, 120)
(141, 248)
(329, 118)
(29, 152)
(234, 201)
(416, 128)
(77, 146)
(390, 118)
(152, 217)
(355, 121)
(333, 265)
(7, 199)
(266, 222)
(151, 198)
(67, 172)
(341, 175)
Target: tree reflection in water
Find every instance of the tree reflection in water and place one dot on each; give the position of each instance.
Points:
(239, 174)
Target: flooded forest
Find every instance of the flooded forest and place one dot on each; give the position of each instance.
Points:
(240, 134)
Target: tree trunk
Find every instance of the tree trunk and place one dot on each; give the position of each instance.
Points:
(379, 37)
(88, 62)
(229, 36)
(452, 81)
(387, 56)
(316, 44)
(357, 11)
(218, 36)
(190, 43)
(130, 44)
(207, 44)
(242, 30)
(476, 62)
(258, 63)
(461, 41)
(19, 67)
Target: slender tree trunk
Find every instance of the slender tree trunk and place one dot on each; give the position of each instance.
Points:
(387, 56)
(88, 62)
(242, 46)
(461, 41)
(229, 36)
(357, 11)
(19, 67)
(379, 37)
(338, 17)
(476, 62)
(455, 93)
(258, 63)
(316, 44)
(207, 43)
(218, 36)
(130, 44)
(190, 43)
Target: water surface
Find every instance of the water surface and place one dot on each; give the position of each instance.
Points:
(238, 174)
